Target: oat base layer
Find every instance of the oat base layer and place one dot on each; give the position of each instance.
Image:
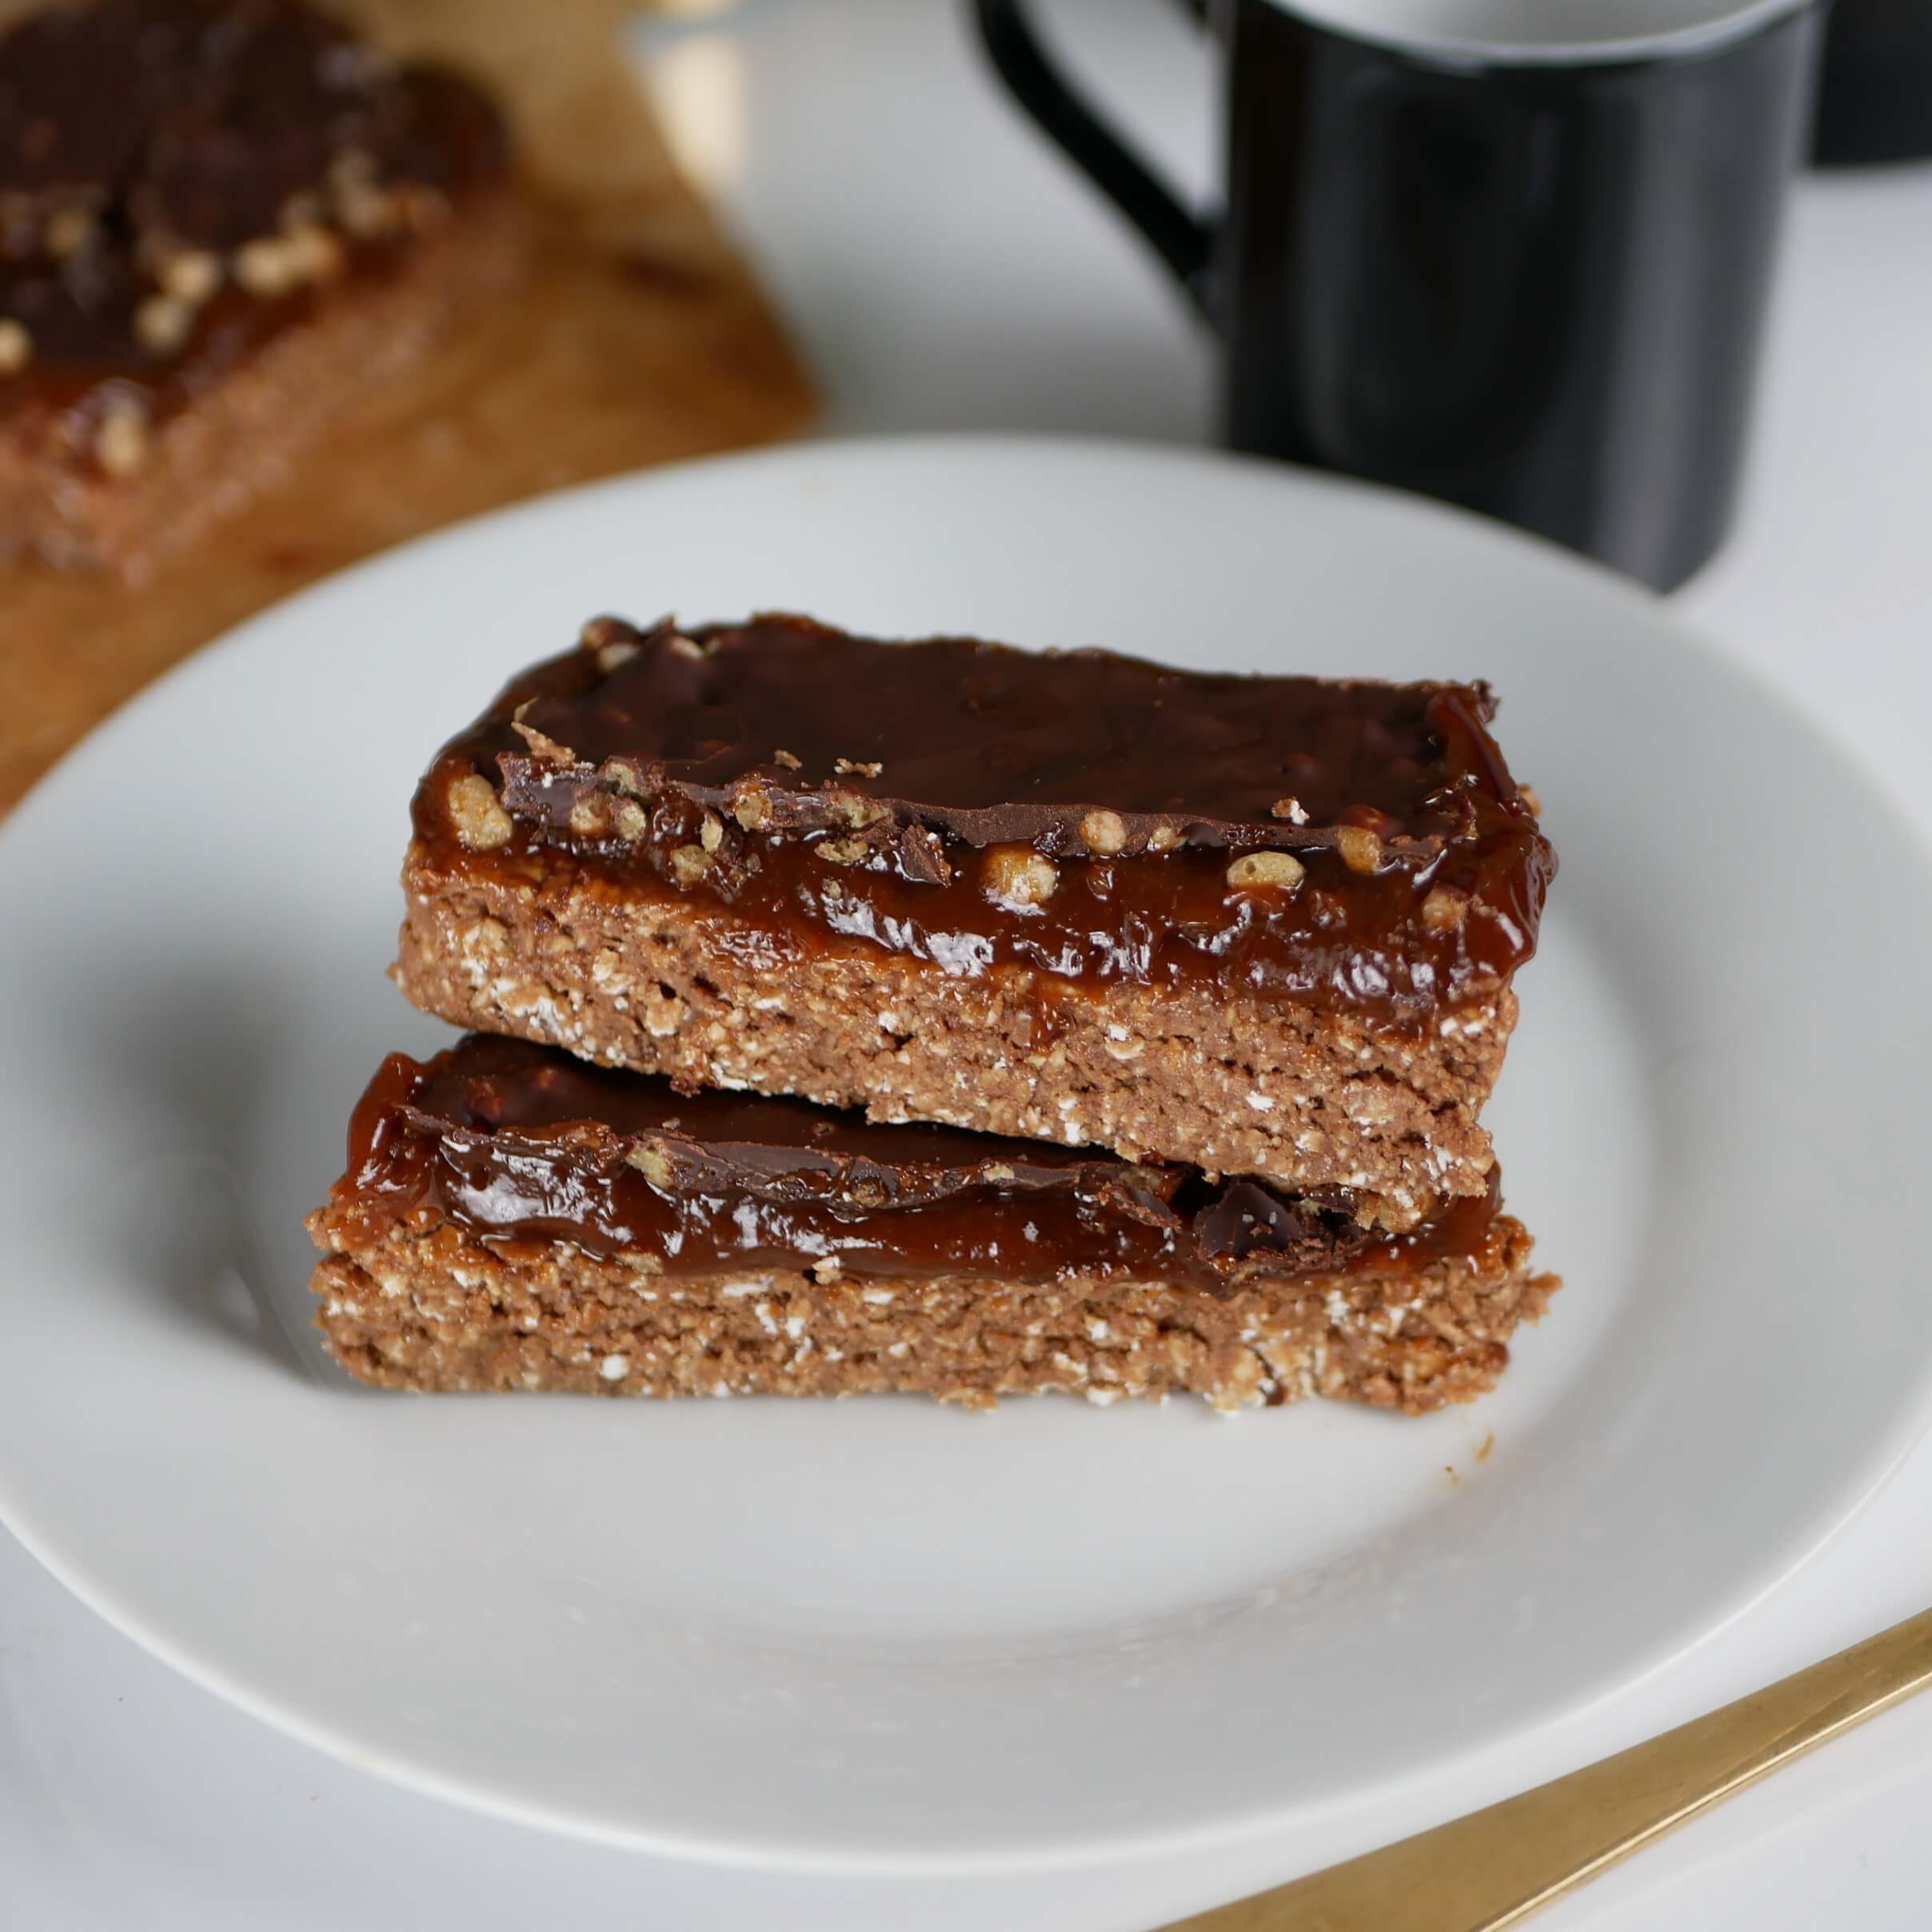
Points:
(437, 1310)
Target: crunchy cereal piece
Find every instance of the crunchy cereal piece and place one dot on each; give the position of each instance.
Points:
(68, 231)
(590, 816)
(689, 863)
(1360, 848)
(190, 276)
(652, 1164)
(162, 325)
(274, 265)
(1105, 832)
(121, 442)
(267, 267)
(1280, 871)
(478, 814)
(1017, 877)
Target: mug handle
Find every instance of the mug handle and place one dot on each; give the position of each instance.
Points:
(1180, 237)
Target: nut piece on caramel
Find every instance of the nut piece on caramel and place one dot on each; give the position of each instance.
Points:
(477, 813)
(689, 863)
(268, 267)
(1017, 877)
(590, 815)
(191, 275)
(1281, 870)
(653, 1166)
(161, 324)
(851, 808)
(1105, 832)
(620, 774)
(1360, 848)
(120, 443)
(16, 347)
(68, 231)
(1445, 908)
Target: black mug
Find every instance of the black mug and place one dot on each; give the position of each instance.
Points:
(1520, 261)
(1875, 101)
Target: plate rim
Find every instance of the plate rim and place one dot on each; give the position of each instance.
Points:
(1800, 1544)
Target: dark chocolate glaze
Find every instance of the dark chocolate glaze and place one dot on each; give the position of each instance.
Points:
(990, 745)
(192, 125)
(517, 1143)
(839, 791)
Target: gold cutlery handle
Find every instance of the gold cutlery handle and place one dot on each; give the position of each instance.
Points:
(1495, 1867)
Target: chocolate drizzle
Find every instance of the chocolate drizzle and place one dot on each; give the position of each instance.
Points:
(515, 1143)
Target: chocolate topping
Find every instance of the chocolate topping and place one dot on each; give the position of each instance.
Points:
(1087, 816)
(178, 176)
(517, 1143)
(1082, 753)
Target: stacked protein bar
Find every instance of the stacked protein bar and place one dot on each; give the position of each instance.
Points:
(1136, 1024)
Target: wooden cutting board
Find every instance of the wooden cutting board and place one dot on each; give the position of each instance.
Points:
(637, 337)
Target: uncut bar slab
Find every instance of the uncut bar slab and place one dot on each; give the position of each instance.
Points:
(485, 1238)
(1260, 925)
(232, 222)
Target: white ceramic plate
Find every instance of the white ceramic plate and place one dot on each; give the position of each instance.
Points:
(881, 1633)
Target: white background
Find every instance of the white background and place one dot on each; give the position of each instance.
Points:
(943, 269)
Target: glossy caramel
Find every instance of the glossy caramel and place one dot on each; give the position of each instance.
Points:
(519, 1144)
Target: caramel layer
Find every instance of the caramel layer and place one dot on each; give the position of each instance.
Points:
(517, 1143)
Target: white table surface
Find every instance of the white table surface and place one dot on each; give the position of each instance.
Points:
(943, 270)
